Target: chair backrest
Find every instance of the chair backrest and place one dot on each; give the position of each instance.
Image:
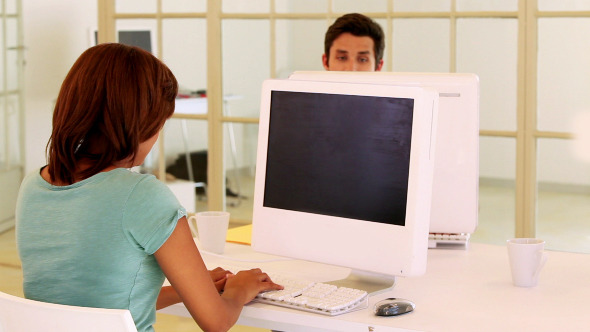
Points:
(18, 314)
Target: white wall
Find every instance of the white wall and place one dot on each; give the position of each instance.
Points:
(55, 34)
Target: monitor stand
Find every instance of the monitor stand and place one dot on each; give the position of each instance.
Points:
(372, 283)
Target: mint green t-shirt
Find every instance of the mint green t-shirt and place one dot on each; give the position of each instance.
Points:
(92, 243)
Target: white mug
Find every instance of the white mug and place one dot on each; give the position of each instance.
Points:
(527, 258)
(211, 229)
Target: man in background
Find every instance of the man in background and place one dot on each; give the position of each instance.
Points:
(354, 42)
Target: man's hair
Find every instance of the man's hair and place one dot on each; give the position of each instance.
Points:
(113, 98)
(358, 25)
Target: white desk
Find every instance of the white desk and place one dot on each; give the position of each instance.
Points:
(462, 290)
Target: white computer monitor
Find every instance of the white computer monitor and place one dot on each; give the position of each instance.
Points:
(456, 173)
(344, 176)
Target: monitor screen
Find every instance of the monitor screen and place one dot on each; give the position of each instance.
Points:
(143, 38)
(344, 174)
(456, 171)
(321, 148)
(139, 38)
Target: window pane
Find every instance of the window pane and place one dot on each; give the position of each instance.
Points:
(2, 65)
(10, 152)
(11, 6)
(175, 145)
(240, 143)
(3, 133)
(497, 159)
(135, 6)
(354, 6)
(301, 6)
(12, 70)
(489, 5)
(422, 6)
(189, 62)
(184, 6)
(488, 48)
(250, 6)
(299, 45)
(421, 45)
(563, 219)
(559, 165)
(563, 72)
(15, 109)
(245, 64)
(496, 190)
(581, 142)
(12, 30)
(567, 5)
(184, 138)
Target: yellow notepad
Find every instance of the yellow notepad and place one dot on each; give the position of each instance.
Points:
(241, 235)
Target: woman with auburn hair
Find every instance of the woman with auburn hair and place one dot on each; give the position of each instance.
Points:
(92, 233)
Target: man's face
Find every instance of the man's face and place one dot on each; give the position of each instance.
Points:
(351, 53)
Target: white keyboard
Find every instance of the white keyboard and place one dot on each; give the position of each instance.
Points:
(317, 297)
(448, 240)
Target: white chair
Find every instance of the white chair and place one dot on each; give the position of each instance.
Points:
(22, 315)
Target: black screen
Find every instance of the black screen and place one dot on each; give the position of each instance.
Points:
(339, 155)
(139, 38)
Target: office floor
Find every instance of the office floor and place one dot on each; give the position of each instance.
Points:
(563, 221)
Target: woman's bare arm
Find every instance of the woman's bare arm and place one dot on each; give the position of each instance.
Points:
(182, 264)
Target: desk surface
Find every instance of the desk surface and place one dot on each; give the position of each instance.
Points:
(462, 290)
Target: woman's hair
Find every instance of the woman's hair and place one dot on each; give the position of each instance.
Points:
(358, 25)
(114, 98)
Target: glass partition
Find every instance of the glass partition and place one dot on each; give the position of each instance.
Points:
(11, 109)
(250, 6)
(186, 56)
(422, 6)
(496, 190)
(352, 6)
(11, 6)
(299, 45)
(565, 5)
(261, 39)
(487, 5)
(421, 45)
(301, 6)
(10, 149)
(136, 6)
(184, 6)
(563, 182)
(563, 72)
(245, 64)
(240, 142)
(185, 143)
(488, 47)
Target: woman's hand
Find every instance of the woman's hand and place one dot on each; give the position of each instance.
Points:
(198, 288)
(245, 285)
(219, 277)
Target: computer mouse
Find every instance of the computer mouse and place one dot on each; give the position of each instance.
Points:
(393, 306)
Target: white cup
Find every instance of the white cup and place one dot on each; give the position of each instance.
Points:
(527, 258)
(211, 229)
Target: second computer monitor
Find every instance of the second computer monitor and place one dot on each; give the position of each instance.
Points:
(456, 172)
